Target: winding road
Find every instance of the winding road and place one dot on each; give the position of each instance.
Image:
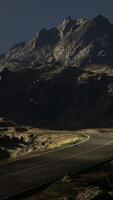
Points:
(22, 175)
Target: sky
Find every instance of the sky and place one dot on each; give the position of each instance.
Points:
(20, 20)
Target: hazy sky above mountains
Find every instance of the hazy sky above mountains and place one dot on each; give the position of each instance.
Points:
(22, 19)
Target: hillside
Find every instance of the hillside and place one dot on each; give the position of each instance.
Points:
(61, 79)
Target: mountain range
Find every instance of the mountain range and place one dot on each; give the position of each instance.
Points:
(62, 78)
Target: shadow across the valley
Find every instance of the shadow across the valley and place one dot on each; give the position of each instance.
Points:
(69, 100)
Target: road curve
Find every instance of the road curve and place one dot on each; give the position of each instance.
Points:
(21, 175)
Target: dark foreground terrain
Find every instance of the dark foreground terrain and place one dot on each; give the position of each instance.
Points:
(93, 184)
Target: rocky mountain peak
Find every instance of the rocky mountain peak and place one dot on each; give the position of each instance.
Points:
(47, 37)
(98, 28)
(67, 25)
(101, 18)
(66, 20)
(102, 22)
(74, 41)
(81, 21)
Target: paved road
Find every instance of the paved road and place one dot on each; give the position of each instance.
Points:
(25, 174)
